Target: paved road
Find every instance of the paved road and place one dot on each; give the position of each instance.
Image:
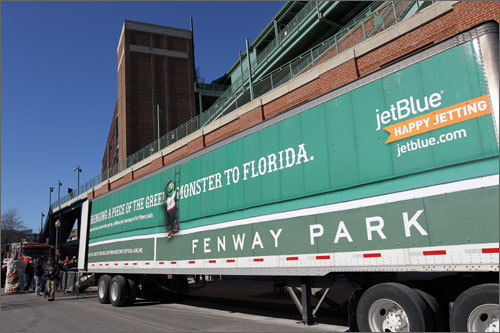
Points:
(27, 313)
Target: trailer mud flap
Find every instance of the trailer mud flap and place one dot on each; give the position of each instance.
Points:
(352, 308)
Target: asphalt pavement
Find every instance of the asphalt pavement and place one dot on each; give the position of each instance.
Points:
(27, 313)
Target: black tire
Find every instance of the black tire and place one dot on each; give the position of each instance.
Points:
(118, 291)
(377, 302)
(439, 314)
(132, 292)
(103, 289)
(469, 301)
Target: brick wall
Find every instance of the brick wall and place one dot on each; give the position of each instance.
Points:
(338, 77)
(223, 132)
(333, 79)
(122, 181)
(158, 80)
(148, 168)
(192, 147)
(122, 95)
(251, 118)
(111, 143)
(464, 15)
(146, 80)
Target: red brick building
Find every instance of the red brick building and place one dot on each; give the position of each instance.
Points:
(155, 66)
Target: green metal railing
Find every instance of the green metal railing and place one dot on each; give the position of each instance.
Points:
(82, 189)
(286, 31)
(372, 20)
(210, 86)
(386, 15)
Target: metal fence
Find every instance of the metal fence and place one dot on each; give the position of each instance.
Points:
(286, 31)
(74, 282)
(376, 18)
(210, 86)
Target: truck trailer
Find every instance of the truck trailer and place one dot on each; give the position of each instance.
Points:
(388, 185)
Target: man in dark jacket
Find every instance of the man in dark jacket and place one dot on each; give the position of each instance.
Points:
(38, 272)
(28, 275)
(51, 272)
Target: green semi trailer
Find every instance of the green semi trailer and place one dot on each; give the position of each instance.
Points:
(388, 185)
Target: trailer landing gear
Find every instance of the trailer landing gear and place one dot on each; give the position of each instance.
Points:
(304, 305)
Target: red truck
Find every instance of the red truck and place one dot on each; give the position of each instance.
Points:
(34, 250)
(26, 252)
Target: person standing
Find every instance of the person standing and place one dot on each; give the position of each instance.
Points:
(28, 275)
(170, 206)
(51, 272)
(38, 273)
(43, 280)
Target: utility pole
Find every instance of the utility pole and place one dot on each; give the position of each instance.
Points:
(249, 70)
(41, 228)
(58, 222)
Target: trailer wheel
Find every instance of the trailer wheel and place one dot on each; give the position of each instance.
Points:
(132, 292)
(438, 313)
(118, 291)
(103, 289)
(476, 310)
(393, 307)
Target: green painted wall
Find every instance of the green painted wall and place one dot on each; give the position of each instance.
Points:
(138, 249)
(336, 147)
(443, 219)
(439, 219)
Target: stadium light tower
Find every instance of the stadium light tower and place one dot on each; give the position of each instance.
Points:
(50, 196)
(78, 170)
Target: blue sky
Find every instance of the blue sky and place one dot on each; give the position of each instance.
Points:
(58, 82)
